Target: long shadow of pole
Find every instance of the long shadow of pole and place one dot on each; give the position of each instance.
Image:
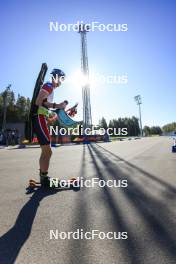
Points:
(149, 175)
(78, 249)
(119, 222)
(155, 214)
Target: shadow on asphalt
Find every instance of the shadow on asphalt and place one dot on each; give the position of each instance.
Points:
(12, 241)
(152, 177)
(155, 214)
(157, 217)
(77, 249)
(120, 224)
(81, 220)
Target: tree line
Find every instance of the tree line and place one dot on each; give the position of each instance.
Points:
(17, 108)
(169, 127)
(18, 111)
(154, 130)
(132, 125)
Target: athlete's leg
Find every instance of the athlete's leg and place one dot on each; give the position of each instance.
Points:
(45, 157)
(41, 130)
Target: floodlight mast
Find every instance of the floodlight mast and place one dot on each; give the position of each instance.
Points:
(138, 100)
(87, 116)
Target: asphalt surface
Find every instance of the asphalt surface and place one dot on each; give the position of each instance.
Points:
(146, 209)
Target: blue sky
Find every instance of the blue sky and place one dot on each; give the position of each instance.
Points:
(146, 53)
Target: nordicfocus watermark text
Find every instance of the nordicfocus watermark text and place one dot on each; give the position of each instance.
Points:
(87, 235)
(93, 26)
(93, 78)
(88, 183)
(80, 131)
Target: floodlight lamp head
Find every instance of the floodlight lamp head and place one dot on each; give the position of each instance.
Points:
(138, 99)
(83, 28)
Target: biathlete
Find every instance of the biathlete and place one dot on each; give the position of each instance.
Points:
(43, 103)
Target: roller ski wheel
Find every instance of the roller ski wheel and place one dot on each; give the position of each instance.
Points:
(33, 183)
(74, 183)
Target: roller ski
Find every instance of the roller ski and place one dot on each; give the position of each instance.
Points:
(54, 183)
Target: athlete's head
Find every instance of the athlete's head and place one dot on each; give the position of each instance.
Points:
(58, 76)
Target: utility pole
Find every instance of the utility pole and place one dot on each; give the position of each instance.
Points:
(87, 117)
(138, 100)
(5, 96)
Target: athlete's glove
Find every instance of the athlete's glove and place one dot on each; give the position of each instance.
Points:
(66, 102)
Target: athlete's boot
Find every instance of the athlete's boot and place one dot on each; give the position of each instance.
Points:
(44, 179)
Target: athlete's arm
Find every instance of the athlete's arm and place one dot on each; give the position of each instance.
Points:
(42, 96)
(54, 105)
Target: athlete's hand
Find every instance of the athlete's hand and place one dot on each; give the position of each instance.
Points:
(66, 102)
(62, 105)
